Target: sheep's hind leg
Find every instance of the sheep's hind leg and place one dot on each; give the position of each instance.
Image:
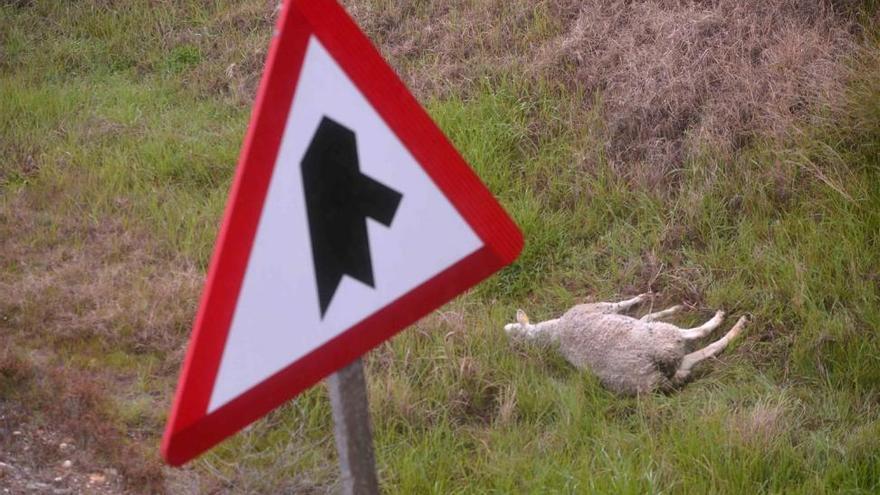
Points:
(704, 329)
(662, 314)
(711, 350)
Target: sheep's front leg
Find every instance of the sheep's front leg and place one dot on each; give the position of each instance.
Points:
(629, 303)
(662, 314)
(704, 329)
(711, 350)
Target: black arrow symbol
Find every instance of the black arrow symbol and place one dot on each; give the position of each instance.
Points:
(338, 200)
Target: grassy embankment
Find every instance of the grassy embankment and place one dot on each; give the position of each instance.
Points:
(119, 130)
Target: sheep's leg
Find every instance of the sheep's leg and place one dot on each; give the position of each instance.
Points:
(704, 329)
(662, 314)
(711, 350)
(625, 305)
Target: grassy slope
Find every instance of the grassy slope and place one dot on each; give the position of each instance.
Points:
(119, 130)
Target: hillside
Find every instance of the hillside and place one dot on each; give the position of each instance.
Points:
(722, 154)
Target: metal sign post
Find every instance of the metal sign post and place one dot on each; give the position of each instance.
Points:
(351, 421)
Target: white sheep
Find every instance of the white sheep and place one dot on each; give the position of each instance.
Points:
(629, 356)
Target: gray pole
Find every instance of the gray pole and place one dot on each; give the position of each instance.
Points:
(351, 420)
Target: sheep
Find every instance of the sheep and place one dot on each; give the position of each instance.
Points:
(629, 356)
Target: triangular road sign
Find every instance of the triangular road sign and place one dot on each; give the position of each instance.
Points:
(351, 216)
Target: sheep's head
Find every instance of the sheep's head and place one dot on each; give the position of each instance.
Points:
(519, 329)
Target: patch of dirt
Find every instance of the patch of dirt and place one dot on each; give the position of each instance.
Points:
(41, 461)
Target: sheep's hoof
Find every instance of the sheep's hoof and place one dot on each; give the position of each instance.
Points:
(738, 327)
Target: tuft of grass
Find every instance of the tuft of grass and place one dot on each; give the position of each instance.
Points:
(15, 372)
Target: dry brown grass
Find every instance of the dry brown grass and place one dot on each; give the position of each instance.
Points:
(235, 64)
(443, 48)
(679, 75)
(675, 77)
(74, 291)
(77, 280)
(765, 422)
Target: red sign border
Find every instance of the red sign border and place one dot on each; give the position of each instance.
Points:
(191, 430)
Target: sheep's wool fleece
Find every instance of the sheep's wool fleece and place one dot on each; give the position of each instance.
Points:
(628, 356)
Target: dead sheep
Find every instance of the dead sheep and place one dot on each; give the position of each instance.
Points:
(629, 355)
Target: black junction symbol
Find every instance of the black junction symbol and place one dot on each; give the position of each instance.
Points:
(338, 200)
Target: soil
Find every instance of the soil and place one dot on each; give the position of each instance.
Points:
(38, 460)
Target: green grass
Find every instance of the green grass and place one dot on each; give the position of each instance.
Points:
(120, 115)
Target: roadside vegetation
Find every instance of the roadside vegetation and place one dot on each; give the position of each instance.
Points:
(724, 154)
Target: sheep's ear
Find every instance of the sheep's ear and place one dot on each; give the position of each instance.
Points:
(521, 317)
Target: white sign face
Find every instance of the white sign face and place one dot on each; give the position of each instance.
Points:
(278, 318)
